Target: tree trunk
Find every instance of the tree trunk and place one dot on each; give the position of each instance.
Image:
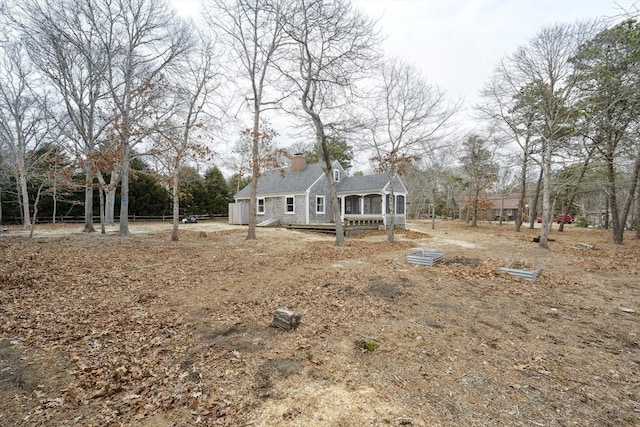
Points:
(433, 213)
(175, 196)
(392, 213)
(88, 200)
(523, 193)
(255, 174)
(534, 203)
(328, 173)
(35, 209)
(110, 206)
(25, 196)
(321, 141)
(110, 212)
(102, 224)
(521, 207)
(546, 196)
(572, 197)
(629, 200)
(474, 220)
(468, 214)
(124, 191)
(563, 215)
(618, 230)
(55, 202)
(637, 221)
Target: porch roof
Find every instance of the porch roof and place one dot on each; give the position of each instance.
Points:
(366, 183)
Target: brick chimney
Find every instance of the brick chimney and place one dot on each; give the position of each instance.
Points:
(298, 162)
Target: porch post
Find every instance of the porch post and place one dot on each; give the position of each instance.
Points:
(384, 209)
(404, 209)
(361, 200)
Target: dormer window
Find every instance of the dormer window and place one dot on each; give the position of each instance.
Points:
(336, 175)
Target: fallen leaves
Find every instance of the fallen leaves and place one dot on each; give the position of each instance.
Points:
(121, 330)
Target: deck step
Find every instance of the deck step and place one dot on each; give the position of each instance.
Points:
(267, 223)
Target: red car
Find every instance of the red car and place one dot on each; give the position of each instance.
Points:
(567, 219)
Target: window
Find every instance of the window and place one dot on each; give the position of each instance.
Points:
(260, 207)
(319, 204)
(372, 204)
(400, 205)
(336, 175)
(289, 205)
(352, 205)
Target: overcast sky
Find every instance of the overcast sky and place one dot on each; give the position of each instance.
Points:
(457, 43)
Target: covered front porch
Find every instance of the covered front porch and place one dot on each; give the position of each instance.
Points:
(367, 210)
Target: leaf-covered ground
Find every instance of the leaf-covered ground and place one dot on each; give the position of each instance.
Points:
(105, 330)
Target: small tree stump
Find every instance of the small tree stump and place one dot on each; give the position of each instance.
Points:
(286, 319)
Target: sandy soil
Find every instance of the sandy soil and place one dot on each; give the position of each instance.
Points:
(138, 330)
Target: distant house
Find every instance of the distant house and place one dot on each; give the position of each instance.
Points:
(299, 194)
(492, 205)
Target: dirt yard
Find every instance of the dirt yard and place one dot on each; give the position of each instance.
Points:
(99, 330)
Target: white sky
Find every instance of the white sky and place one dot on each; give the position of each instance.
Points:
(457, 43)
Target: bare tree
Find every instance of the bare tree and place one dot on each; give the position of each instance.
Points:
(512, 113)
(62, 39)
(47, 171)
(142, 40)
(253, 29)
(23, 117)
(333, 46)
(543, 66)
(477, 158)
(608, 74)
(409, 117)
(426, 181)
(176, 141)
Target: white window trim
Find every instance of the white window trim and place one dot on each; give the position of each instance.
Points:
(323, 204)
(293, 205)
(336, 175)
(258, 206)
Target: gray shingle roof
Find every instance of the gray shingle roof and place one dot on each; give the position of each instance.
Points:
(374, 182)
(282, 181)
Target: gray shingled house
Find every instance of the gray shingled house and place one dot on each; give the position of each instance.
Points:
(299, 194)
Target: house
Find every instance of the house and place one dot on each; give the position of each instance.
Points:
(490, 206)
(507, 204)
(299, 194)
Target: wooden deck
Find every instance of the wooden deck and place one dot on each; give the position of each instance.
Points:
(349, 229)
(318, 228)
